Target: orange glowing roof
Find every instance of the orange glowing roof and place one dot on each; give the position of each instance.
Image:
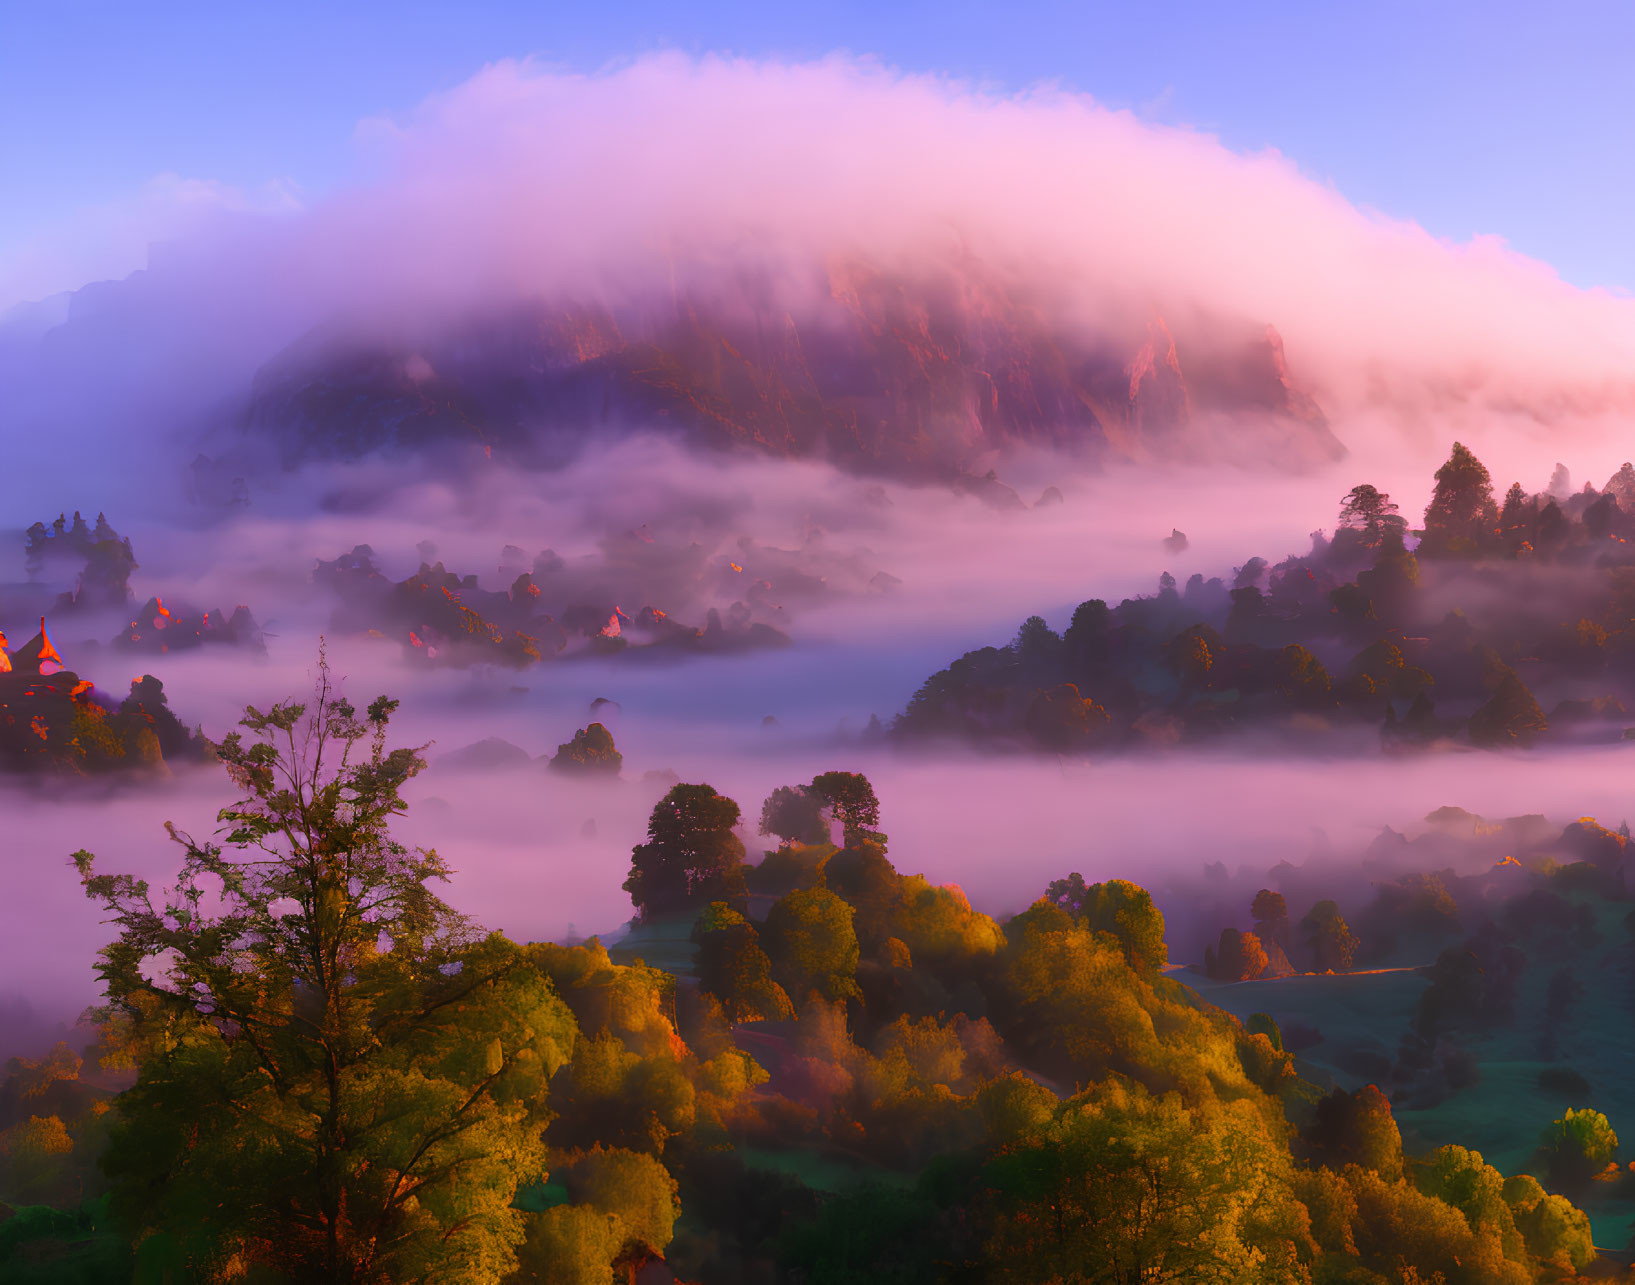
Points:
(39, 654)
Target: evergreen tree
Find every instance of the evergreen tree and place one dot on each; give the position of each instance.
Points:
(1461, 517)
(1510, 717)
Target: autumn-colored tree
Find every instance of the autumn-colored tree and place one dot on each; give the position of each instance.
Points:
(1191, 656)
(812, 944)
(1120, 908)
(1125, 1186)
(1062, 719)
(1356, 1129)
(340, 1080)
(1270, 908)
(1555, 1231)
(1577, 1147)
(1240, 957)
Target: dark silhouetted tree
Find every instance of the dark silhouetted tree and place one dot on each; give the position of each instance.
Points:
(1271, 914)
(1356, 1129)
(1328, 939)
(1370, 512)
(1239, 957)
(1510, 717)
(1461, 517)
(1301, 679)
(851, 800)
(794, 813)
(691, 855)
(590, 753)
(734, 968)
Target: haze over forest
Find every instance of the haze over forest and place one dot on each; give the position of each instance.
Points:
(1115, 503)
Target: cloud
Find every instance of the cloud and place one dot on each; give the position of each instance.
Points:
(112, 240)
(530, 179)
(739, 181)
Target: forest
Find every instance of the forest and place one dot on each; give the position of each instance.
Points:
(1494, 623)
(809, 1066)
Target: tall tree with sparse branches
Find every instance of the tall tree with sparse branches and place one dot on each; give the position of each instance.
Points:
(341, 1079)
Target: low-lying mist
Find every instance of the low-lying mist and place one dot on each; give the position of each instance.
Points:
(742, 180)
(538, 855)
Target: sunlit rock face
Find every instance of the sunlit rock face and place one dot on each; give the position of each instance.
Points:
(915, 376)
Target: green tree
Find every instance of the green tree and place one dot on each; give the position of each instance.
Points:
(1461, 517)
(590, 753)
(340, 1080)
(633, 1187)
(1555, 1230)
(734, 968)
(573, 1245)
(812, 944)
(1120, 908)
(1461, 1178)
(1577, 1147)
(1124, 1186)
(691, 854)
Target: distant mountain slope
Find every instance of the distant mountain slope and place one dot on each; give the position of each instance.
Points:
(914, 377)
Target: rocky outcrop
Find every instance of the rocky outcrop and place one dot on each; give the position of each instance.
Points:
(918, 376)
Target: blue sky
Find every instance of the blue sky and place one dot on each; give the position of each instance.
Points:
(1469, 118)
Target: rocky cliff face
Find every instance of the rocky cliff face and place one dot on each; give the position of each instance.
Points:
(915, 377)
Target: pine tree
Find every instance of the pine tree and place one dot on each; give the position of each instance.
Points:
(1461, 517)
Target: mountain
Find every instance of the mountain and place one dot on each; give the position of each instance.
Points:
(913, 376)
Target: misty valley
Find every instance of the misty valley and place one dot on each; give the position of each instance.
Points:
(732, 671)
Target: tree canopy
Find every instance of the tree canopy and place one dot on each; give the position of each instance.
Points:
(691, 856)
(341, 1080)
